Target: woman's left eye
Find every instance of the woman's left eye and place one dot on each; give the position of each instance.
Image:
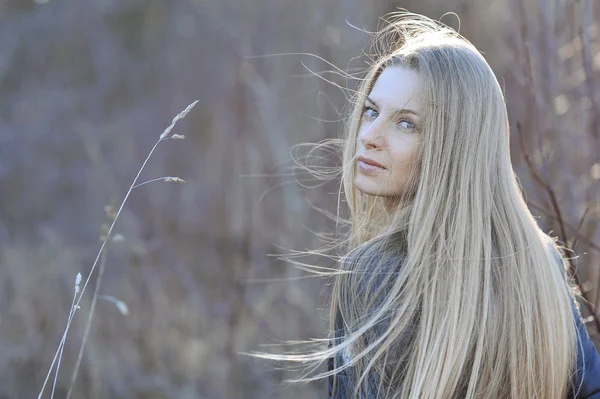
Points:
(406, 124)
(370, 112)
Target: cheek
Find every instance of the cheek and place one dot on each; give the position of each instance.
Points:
(404, 154)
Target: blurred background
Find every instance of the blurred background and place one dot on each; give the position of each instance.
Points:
(86, 88)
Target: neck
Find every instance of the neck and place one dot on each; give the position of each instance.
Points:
(391, 203)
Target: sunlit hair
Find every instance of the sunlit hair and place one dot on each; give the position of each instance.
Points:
(453, 291)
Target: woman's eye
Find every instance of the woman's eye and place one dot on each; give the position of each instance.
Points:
(406, 124)
(371, 113)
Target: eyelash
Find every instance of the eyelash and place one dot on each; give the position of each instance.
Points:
(368, 108)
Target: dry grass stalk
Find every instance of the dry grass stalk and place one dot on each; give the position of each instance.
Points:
(562, 227)
(77, 299)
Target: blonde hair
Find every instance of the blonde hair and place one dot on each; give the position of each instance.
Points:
(455, 291)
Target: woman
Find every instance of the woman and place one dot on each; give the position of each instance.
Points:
(450, 289)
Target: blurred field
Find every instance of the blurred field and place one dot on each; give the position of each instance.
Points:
(86, 88)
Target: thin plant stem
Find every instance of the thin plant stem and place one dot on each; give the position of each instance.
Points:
(164, 178)
(63, 339)
(111, 299)
(163, 137)
(98, 256)
(62, 345)
(88, 324)
(562, 229)
(112, 225)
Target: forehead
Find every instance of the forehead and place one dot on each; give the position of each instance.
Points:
(398, 87)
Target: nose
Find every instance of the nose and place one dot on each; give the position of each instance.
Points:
(373, 136)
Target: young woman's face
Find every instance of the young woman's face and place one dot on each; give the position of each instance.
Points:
(388, 138)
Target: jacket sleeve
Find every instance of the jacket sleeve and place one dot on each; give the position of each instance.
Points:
(588, 363)
(586, 384)
(340, 382)
(338, 385)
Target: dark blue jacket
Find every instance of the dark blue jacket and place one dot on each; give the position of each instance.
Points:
(588, 360)
(586, 382)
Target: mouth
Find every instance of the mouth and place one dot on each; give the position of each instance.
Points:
(369, 164)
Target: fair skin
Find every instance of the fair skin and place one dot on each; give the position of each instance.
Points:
(388, 136)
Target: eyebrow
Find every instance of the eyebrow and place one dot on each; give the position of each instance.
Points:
(396, 111)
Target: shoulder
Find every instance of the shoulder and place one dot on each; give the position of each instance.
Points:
(586, 382)
(587, 379)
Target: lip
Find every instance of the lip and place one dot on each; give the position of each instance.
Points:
(370, 163)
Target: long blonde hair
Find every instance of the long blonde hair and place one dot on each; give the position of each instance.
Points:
(455, 291)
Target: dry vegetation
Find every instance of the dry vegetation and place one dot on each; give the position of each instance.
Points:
(87, 86)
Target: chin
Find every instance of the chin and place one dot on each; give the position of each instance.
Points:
(367, 186)
(370, 186)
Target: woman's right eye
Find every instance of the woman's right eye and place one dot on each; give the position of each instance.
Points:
(370, 112)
